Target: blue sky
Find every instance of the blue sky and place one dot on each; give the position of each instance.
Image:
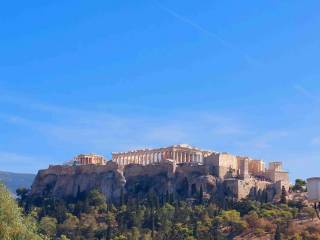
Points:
(103, 76)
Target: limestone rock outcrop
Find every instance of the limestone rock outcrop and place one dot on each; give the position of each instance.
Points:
(111, 179)
(68, 181)
(135, 180)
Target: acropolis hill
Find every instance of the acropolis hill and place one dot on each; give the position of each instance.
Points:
(179, 169)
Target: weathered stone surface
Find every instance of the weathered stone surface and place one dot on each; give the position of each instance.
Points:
(68, 181)
(138, 180)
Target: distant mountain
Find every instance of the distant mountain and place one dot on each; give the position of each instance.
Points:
(16, 180)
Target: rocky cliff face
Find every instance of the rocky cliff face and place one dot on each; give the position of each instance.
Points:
(134, 180)
(68, 181)
(184, 180)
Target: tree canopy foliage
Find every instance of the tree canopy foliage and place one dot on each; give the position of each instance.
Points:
(164, 217)
(13, 225)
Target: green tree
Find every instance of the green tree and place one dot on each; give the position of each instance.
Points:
(233, 221)
(134, 234)
(277, 235)
(122, 200)
(88, 225)
(48, 226)
(300, 185)
(214, 230)
(12, 223)
(283, 198)
(22, 194)
(180, 232)
(165, 217)
(64, 237)
(70, 226)
(96, 198)
(201, 195)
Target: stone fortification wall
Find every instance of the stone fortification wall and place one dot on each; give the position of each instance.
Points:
(256, 166)
(134, 170)
(92, 168)
(275, 176)
(242, 188)
(192, 168)
(222, 162)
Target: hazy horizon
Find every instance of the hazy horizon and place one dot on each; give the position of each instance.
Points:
(79, 76)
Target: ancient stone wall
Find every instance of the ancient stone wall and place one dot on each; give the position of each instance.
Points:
(242, 188)
(256, 167)
(275, 176)
(222, 160)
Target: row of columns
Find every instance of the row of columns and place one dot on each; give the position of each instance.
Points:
(156, 157)
(181, 156)
(88, 160)
(138, 158)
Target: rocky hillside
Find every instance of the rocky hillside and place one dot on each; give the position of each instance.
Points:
(134, 180)
(14, 181)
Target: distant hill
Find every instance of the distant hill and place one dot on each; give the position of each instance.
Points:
(16, 180)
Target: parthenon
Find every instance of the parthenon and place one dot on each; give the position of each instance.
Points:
(223, 164)
(178, 153)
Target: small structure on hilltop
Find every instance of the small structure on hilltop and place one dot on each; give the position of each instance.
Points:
(313, 186)
(87, 159)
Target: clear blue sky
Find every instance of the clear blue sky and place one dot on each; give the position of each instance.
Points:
(103, 76)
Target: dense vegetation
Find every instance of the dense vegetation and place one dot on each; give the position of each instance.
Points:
(90, 216)
(13, 226)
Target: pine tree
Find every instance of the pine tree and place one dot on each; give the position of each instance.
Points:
(215, 229)
(167, 196)
(122, 200)
(171, 198)
(277, 235)
(195, 230)
(201, 195)
(152, 221)
(109, 233)
(161, 200)
(283, 199)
